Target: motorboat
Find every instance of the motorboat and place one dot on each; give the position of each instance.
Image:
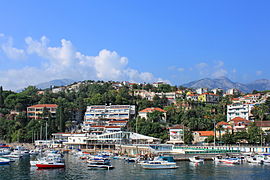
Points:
(159, 163)
(217, 159)
(51, 161)
(99, 162)
(4, 161)
(230, 160)
(254, 160)
(196, 159)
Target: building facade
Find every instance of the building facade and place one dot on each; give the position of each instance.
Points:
(36, 111)
(239, 109)
(103, 115)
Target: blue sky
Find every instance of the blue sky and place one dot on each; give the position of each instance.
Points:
(141, 41)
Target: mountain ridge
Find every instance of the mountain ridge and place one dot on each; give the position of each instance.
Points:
(225, 83)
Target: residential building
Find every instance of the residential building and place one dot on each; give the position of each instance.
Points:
(222, 128)
(239, 124)
(36, 111)
(200, 136)
(103, 115)
(217, 91)
(143, 113)
(176, 134)
(242, 110)
(192, 97)
(208, 98)
(201, 90)
(233, 91)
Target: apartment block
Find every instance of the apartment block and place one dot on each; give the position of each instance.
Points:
(36, 111)
(102, 115)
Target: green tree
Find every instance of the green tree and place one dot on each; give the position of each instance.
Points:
(188, 137)
(228, 138)
(155, 116)
(1, 97)
(254, 134)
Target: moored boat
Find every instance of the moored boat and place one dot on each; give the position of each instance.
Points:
(158, 163)
(4, 161)
(196, 159)
(51, 161)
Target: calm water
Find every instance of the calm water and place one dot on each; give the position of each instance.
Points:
(75, 169)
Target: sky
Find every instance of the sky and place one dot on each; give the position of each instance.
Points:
(136, 40)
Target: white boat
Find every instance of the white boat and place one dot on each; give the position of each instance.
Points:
(264, 158)
(196, 159)
(99, 162)
(217, 159)
(254, 160)
(4, 161)
(158, 163)
(230, 160)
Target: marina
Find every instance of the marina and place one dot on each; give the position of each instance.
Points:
(77, 169)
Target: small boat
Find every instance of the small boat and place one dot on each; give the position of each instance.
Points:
(132, 159)
(230, 160)
(51, 161)
(254, 160)
(98, 162)
(264, 158)
(196, 159)
(159, 164)
(217, 159)
(4, 161)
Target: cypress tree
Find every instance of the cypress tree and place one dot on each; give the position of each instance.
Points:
(1, 97)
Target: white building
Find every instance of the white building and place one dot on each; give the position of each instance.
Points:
(143, 113)
(217, 91)
(103, 115)
(176, 134)
(201, 90)
(241, 110)
(233, 92)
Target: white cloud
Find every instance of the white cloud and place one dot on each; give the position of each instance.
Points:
(10, 51)
(234, 70)
(65, 62)
(219, 73)
(219, 64)
(181, 69)
(258, 73)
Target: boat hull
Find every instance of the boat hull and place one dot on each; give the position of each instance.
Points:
(159, 167)
(50, 166)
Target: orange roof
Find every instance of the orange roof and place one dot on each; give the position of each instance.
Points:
(205, 133)
(44, 105)
(223, 123)
(237, 119)
(152, 109)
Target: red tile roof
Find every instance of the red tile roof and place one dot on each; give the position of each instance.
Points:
(44, 105)
(152, 109)
(237, 119)
(205, 133)
(222, 123)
